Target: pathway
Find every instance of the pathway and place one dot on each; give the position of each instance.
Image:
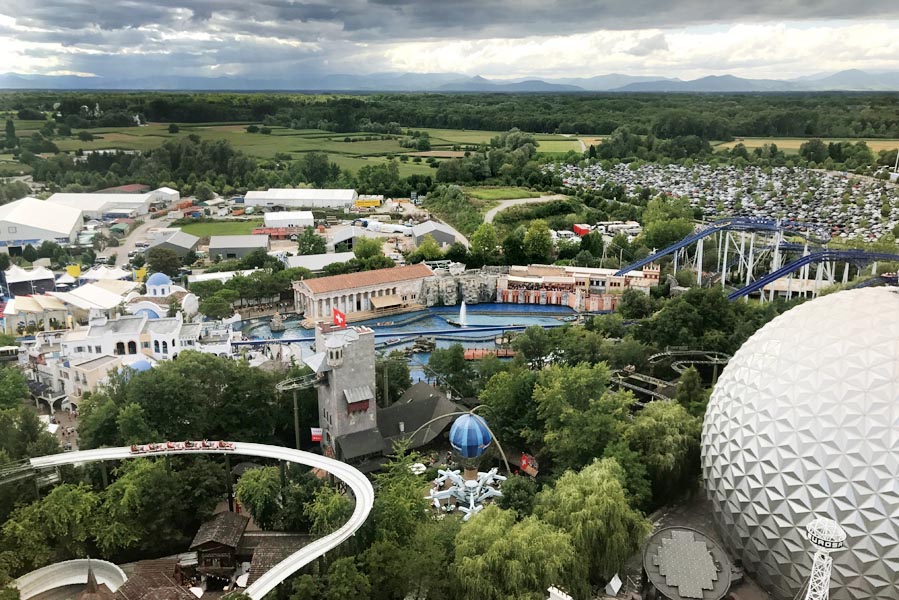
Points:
(138, 234)
(491, 214)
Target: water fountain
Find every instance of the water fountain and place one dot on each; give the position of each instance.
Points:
(463, 315)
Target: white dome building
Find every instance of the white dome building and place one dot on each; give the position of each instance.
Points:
(804, 422)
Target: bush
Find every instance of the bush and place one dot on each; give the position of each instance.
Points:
(174, 128)
(85, 136)
(265, 130)
(252, 129)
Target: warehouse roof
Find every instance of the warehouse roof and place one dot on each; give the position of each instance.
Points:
(317, 262)
(366, 278)
(180, 239)
(275, 194)
(31, 212)
(427, 227)
(238, 241)
(99, 201)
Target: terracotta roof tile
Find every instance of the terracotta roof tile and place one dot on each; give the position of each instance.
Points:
(336, 283)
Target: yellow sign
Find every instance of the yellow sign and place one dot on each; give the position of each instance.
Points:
(74, 270)
(368, 203)
(140, 274)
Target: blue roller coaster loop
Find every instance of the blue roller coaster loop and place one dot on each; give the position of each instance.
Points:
(813, 233)
(859, 257)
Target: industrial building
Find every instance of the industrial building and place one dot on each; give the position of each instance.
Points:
(293, 218)
(442, 234)
(236, 246)
(302, 198)
(175, 240)
(100, 205)
(317, 262)
(32, 221)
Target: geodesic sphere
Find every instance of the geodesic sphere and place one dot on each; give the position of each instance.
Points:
(469, 436)
(804, 422)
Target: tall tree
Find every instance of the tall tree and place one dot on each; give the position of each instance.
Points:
(316, 168)
(580, 415)
(452, 370)
(392, 373)
(328, 510)
(667, 438)
(484, 244)
(163, 260)
(690, 392)
(13, 388)
(592, 508)
(345, 580)
(499, 559)
(538, 243)
(259, 490)
(309, 242)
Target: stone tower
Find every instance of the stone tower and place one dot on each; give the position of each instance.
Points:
(346, 398)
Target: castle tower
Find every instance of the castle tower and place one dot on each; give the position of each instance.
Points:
(347, 410)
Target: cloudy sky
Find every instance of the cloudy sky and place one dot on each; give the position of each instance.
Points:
(497, 39)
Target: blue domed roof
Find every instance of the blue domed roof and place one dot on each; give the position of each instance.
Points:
(469, 436)
(141, 365)
(159, 279)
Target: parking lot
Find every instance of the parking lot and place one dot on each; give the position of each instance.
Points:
(849, 206)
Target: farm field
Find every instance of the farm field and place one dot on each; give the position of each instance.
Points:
(221, 228)
(791, 145)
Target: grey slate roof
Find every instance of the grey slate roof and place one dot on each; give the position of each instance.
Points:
(418, 405)
(224, 528)
(360, 443)
(238, 241)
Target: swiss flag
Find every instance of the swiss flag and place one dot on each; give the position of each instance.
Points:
(525, 462)
(339, 318)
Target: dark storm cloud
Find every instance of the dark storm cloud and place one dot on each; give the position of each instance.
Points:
(412, 19)
(123, 37)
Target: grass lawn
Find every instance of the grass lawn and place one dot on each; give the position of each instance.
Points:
(222, 228)
(558, 146)
(499, 193)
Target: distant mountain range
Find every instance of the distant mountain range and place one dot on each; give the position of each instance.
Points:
(851, 80)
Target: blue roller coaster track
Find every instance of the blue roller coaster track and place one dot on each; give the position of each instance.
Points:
(813, 233)
(858, 257)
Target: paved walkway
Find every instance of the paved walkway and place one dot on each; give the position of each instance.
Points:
(488, 218)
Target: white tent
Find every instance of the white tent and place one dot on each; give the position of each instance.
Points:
(103, 272)
(16, 274)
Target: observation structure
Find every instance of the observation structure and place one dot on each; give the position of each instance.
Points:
(803, 423)
(826, 536)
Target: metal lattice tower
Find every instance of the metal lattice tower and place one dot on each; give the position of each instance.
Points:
(826, 536)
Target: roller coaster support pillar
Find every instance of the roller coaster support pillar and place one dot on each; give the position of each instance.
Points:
(846, 273)
(104, 475)
(699, 246)
(229, 484)
(750, 264)
(724, 260)
(742, 262)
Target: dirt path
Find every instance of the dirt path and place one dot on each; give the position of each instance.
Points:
(491, 214)
(139, 234)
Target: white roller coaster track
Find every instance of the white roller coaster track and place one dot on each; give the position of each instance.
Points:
(356, 481)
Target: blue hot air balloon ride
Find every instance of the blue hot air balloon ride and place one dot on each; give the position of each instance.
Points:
(470, 436)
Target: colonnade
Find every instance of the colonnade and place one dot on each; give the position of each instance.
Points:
(322, 308)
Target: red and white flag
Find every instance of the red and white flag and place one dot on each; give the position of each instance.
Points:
(316, 434)
(339, 318)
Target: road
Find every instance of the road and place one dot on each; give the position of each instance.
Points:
(136, 235)
(488, 218)
(353, 478)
